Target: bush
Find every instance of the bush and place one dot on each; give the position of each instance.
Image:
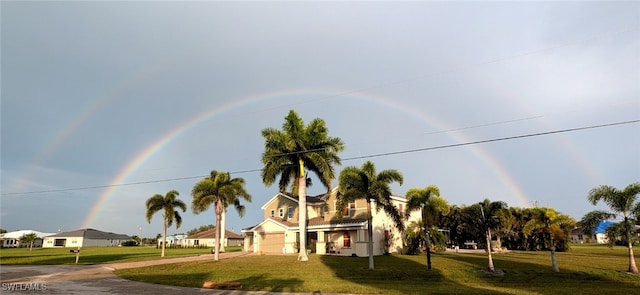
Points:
(130, 243)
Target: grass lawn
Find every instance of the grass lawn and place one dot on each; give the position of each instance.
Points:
(95, 255)
(587, 269)
(584, 270)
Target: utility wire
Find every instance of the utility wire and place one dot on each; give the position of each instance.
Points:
(345, 159)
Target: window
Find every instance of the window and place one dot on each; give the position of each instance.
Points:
(273, 213)
(349, 210)
(290, 212)
(346, 240)
(281, 212)
(400, 208)
(196, 242)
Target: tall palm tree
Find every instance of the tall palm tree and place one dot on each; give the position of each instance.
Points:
(619, 201)
(291, 152)
(431, 206)
(486, 215)
(222, 190)
(364, 183)
(168, 205)
(554, 227)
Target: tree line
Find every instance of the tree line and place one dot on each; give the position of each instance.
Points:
(297, 149)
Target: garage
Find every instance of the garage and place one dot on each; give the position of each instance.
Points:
(271, 242)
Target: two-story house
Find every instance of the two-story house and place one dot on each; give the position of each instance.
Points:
(326, 233)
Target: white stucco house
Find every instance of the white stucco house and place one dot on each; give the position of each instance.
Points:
(87, 237)
(326, 233)
(12, 239)
(176, 241)
(207, 238)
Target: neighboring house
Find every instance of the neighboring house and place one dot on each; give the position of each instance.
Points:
(326, 233)
(207, 238)
(176, 241)
(599, 234)
(578, 237)
(12, 239)
(87, 237)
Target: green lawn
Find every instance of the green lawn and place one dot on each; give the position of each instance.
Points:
(95, 255)
(587, 269)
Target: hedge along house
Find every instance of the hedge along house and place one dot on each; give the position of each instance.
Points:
(326, 233)
(87, 237)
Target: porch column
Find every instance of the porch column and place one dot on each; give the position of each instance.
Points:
(320, 244)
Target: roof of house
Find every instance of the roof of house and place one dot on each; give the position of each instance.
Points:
(19, 233)
(602, 226)
(316, 222)
(311, 200)
(90, 233)
(211, 234)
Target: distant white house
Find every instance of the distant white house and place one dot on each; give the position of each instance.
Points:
(176, 241)
(599, 234)
(12, 239)
(87, 237)
(207, 238)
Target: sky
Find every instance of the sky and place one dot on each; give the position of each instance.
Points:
(105, 104)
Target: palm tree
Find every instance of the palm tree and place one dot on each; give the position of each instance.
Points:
(364, 183)
(619, 201)
(431, 205)
(222, 190)
(554, 227)
(486, 215)
(29, 238)
(168, 204)
(291, 152)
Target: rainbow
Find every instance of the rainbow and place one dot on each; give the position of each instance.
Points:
(59, 138)
(156, 146)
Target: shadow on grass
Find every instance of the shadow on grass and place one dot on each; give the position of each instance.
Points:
(271, 284)
(182, 280)
(519, 275)
(399, 274)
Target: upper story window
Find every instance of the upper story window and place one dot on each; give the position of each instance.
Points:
(273, 213)
(290, 212)
(281, 212)
(349, 210)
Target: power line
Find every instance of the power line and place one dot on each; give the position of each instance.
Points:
(492, 140)
(346, 159)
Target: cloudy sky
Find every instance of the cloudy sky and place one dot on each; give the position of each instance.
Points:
(105, 104)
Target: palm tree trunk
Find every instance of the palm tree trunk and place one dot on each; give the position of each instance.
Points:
(302, 213)
(216, 251)
(554, 261)
(491, 267)
(370, 233)
(164, 234)
(428, 244)
(632, 261)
